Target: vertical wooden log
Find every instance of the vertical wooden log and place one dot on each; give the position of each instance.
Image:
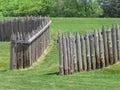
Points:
(18, 52)
(32, 50)
(48, 37)
(21, 51)
(30, 53)
(27, 55)
(36, 42)
(65, 56)
(105, 46)
(118, 40)
(45, 38)
(60, 54)
(2, 31)
(83, 53)
(96, 45)
(114, 43)
(68, 53)
(9, 30)
(102, 63)
(27, 51)
(13, 62)
(71, 54)
(79, 57)
(110, 54)
(24, 56)
(40, 44)
(87, 52)
(92, 53)
(74, 55)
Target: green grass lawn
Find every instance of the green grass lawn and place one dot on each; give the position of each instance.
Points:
(43, 75)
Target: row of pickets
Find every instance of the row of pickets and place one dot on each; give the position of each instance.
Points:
(79, 53)
(24, 25)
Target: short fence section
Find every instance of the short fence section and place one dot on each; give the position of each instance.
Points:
(89, 51)
(27, 45)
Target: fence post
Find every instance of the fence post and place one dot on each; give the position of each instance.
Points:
(114, 43)
(74, 54)
(105, 46)
(71, 53)
(65, 56)
(110, 54)
(83, 53)
(68, 53)
(13, 56)
(79, 57)
(60, 54)
(118, 40)
(87, 52)
(2, 31)
(101, 50)
(96, 44)
(92, 53)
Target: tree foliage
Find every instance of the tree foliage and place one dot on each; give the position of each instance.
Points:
(24, 7)
(77, 8)
(111, 8)
(67, 8)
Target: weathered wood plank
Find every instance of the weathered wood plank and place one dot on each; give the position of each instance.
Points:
(118, 40)
(114, 43)
(102, 62)
(13, 63)
(105, 46)
(74, 55)
(79, 57)
(92, 53)
(65, 56)
(87, 52)
(71, 53)
(68, 53)
(83, 53)
(60, 54)
(0, 31)
(110, 53)
(96, 45)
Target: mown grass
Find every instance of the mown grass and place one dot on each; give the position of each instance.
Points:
(43, 75)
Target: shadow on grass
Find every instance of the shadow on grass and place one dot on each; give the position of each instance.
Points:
(53, 73)
(3, 70)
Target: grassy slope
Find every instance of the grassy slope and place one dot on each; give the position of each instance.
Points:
(44, 74)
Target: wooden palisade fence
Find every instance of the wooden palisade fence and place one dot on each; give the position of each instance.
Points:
(21, 25)
(89, 51)
(29, 41)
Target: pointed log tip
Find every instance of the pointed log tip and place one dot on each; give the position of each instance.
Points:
(113, 26)
(95, 30)
(117, 25)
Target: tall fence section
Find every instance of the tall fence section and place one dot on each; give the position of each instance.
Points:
(90, 51)
(29, 38)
